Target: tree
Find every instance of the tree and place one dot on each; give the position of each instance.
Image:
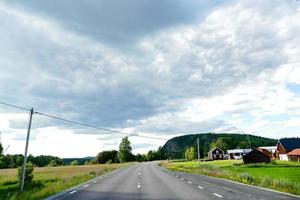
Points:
(1, 149)
(243, 145)
(223, 143)
(151, 155)
(2, 163)
(125, 151)
(104, 156)
(190, 153)
(28, 173)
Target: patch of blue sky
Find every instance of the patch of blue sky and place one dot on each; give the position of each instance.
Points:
(294, 87)
(277, 118)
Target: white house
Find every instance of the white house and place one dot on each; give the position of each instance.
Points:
(237, 153)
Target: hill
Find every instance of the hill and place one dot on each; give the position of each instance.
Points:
(175, 147)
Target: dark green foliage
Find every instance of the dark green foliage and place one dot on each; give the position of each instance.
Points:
(14, 161)
(155, 155)
(223, 143)
(175, 147)
(125, 151)
(44, 160)
(105, 156)
(141, 157)
(28, 173)
(1, 149)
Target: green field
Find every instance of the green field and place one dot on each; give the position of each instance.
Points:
(50, 180)
(279, 175)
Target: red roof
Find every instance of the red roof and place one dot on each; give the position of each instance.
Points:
(295, 152)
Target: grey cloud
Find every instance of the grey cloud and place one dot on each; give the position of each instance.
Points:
(67, 74)
(117, 22)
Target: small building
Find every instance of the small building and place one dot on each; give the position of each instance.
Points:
(216, 154)
(237, 154)
(294, 155)
(256, 156)
(286, 145)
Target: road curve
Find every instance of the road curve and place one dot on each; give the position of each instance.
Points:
(148, 181)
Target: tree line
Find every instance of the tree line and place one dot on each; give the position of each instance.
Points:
(124, 154)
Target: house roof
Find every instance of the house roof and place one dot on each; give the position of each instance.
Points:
(290, 143)
(239, 150)
(295, 152)
(215, 149)
(264, 151)
(258, 151)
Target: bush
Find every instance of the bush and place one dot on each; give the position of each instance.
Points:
(74, 162)
(52, 163)
(28, 173)
(109, 162)
(246, 178)
(266, 181)
(190, 153)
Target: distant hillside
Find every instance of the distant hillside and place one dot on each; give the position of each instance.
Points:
(176, 146)
(81, 161)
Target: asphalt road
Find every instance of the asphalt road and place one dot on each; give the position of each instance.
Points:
(148, 181)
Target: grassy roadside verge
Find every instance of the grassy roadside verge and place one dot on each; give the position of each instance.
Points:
(281, 176)
(50, 180)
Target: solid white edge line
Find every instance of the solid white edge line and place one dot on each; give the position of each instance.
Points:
(220, 196)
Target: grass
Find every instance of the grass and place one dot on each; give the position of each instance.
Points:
(278, 175)
(49, 180)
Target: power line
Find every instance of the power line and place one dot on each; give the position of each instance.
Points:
(82, 124)
(96, 127)
(14, 106)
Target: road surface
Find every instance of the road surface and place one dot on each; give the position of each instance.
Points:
(148, 181)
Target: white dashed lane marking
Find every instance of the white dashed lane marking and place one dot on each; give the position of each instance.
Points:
(217, 195)
(95, 181)
(190, 182)
(200, 187)
(86, 185)
(73, 192)
(139, 185)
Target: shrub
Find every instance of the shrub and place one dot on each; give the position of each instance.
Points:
(28, 173)
(266, 181)
(190, 153)
(74, 162)
(109, 162)
(52, 163)
(246, 178)
(92, 173)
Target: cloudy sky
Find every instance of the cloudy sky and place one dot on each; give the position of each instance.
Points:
(148, 67)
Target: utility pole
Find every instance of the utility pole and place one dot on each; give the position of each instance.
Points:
(249, 141)
(198, 150)
(26, 149)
